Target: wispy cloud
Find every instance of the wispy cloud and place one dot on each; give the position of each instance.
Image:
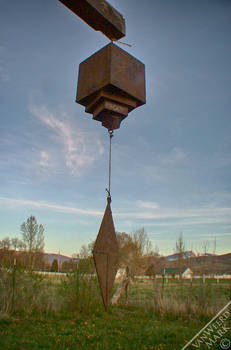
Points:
(209, 213)
(175, 157)
(13, 203)
(76, 146)
(44, 159)
(164, 217)
(148, 205)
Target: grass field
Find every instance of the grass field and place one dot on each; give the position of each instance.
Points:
(69, 315)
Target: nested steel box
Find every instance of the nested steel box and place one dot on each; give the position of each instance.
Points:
(111, 82)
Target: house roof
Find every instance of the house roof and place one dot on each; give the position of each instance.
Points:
(173, 270)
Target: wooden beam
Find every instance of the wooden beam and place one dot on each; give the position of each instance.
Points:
(99, 15)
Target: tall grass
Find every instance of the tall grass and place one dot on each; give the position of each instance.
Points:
(81, 293)
(179, 300)
(78, 292)
(26, 292)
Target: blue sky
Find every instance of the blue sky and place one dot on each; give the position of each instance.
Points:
(171, 158)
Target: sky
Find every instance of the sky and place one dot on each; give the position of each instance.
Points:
(171, 159)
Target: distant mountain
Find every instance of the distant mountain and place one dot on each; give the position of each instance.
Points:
(52, 256)
(204, 264)
(187, 254)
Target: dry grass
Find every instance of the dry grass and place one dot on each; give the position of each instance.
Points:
(21, 291)
(177, 299)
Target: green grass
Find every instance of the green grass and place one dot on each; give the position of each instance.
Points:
(70, 316)
(121, 328)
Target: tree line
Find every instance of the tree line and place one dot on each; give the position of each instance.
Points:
(27, 251)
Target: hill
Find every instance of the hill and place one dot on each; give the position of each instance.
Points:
(209, 264)
(59, 257)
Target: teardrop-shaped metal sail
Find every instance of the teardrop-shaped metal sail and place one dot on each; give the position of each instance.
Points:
(106, 255)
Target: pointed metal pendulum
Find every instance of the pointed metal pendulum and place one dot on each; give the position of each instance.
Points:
(105, 252)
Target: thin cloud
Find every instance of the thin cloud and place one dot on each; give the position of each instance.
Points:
(44, 159)
(208, 213)
(175, 157)
(148, 205)
(188, 217)
(76, 146)
(179, 222)
(11, 202)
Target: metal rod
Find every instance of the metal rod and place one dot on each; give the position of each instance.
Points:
(109, 170)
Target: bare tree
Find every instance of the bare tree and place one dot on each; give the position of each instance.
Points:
(5, 252)
(84, 252)
(142, 242)
(134, 248)
(205, 247)
(33, 238)
(214, 246)
(15, 243)
(5, 243)
(180, 250)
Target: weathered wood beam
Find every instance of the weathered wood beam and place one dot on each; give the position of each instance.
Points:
(99, 15)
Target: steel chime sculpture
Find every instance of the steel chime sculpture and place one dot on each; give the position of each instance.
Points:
(111, 83)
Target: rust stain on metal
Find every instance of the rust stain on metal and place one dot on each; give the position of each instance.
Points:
(105, 255)
(111, 84)
(99, 15)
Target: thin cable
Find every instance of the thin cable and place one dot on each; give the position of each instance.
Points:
(110, 132)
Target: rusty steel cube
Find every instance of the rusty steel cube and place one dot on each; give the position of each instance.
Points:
(111, 83)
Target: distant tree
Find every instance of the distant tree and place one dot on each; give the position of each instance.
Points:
(55, 266)
(84, 252)
(205, 247)
(128, 251)
(154, 263)
(154, 267)
(33, 239)
(180, 246)
(15, 243)
(5, 243)
(70, 265)
(5, 253)
(132, 248)
(21, 246)
(180, 251)
(142, 242)
(214, 246)
(156, 251)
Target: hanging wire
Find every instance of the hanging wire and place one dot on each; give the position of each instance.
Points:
(110, 132)
(121, 42)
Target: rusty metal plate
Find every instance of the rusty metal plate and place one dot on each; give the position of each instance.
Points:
(99, 15)
(111, 96)
(106, 256)
(111, 69)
